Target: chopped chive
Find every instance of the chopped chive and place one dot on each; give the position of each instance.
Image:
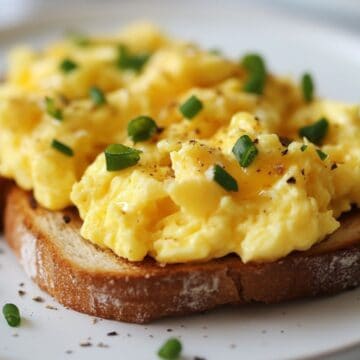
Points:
(52, 110)
(223, 178)
(307, 85)
(97, 96)
(191, 107)
(127, 61)
(303, 147)
(141, 128)
(120, 157)
(11, 314)
(67, 66)
(315, 132)
(245, 151)
(256, 68)
(61, 147)
(171, 350)
(321, 154)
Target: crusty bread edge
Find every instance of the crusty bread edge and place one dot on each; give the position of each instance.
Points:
(155, 292)
(4, 185)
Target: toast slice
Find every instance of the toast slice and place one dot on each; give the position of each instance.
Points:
(88, 279)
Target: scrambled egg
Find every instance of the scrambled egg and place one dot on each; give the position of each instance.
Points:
(168, 205)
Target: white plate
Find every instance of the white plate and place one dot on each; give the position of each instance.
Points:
(294, 330)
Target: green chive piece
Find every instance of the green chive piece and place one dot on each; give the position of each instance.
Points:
(127, 61)
(52, 110)
(245, 151)
(171, 350)
(303, 147)
(191, 107)
(120, 157)
(67, 66)
(97, 96)
(315, 132)
(11, 314)
(307, 85)
(321, 154)
(141, 128)
(61, 147)
(256, 68)
(223, 178)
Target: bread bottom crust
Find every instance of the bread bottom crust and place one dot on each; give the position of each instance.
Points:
(94, 281)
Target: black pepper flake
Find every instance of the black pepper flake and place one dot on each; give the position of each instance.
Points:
(333, 166)
(291, 180)
(112, 333)
(68, 352)
(169, 330)
(50, 307)
(284, 152)
(21, 292)
(199, 358)
(85, 344)
(303, 172)
(21, 284)
(32, 202)
(67, 219)
(160, 130)
(256, 141)
(38, 299)
(285, 141)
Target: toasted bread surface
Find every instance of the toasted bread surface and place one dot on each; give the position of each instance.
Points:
(88, 279)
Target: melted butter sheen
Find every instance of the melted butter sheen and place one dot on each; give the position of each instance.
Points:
(166, 206)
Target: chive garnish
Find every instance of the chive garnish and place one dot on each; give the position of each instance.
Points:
(191, 107)
(141, 128)
(120, 157)
(307, 85)
(321, 154)
(244, 150)
(223, 178)
(303, 147)
(11, 314)
(97, 96)
(67, 66)
(128, 61)
(315, 132)
(52, 110)
(171, 350)
(61, 147)
(256, 68)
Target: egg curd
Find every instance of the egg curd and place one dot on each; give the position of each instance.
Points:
(170, 203)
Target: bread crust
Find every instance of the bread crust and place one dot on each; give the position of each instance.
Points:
(144, 291)
(4, 184)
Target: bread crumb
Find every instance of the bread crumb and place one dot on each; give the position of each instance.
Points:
(50, 307)
(102, 345)
(38, 299)
(21, 292)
